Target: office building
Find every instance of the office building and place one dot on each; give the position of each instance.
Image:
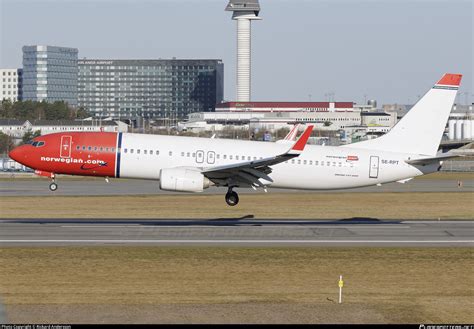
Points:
(10, 84)
(150, 88)
(50, 74)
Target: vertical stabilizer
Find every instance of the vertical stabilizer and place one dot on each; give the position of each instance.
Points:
(421, 129)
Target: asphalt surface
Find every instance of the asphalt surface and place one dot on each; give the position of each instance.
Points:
(39, 187)
(241, 232)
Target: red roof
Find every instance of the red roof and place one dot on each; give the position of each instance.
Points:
(284, 105)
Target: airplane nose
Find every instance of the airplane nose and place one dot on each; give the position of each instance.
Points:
(16, 154)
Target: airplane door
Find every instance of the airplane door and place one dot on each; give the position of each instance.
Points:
(200, 156)
(374, 167)
(211, 157)
(65, 151)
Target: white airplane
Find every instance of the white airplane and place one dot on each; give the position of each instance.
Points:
(190, 164)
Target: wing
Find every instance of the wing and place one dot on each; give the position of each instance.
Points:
(254, 173)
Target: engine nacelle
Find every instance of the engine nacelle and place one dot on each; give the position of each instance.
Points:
(183, 180)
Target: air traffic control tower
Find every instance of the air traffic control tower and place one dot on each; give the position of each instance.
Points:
(243, 11)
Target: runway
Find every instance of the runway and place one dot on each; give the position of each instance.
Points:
(234, 232)
(39, 187)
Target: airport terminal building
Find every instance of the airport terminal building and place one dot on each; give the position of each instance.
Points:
(163, 88)
(50, 74)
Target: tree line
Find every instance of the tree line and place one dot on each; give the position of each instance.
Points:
(32, 110)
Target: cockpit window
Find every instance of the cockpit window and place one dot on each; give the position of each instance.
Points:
(37, 143)
(29, 142)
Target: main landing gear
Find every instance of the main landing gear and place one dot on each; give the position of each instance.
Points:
(231, 197)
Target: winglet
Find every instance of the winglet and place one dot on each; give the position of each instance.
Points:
(292, 134)
(301, 142)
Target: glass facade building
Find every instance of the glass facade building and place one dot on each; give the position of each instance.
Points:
(50, 74)
(164, 88)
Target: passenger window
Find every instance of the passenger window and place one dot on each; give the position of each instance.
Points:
(112, 149)
(138, 151)
(304, 161)
(316, 162)
(157, 152)
(230, 157)
(151, 152)
(310, 162)
(322, 163)
(194, 155)
(328, 163)
(101, 149)
(249, 158)
(182, 154)
(95, 148)
(333, 164)
(145, 151)
(255, 158)
(78, 147)
(131, 151)
(106, 149)
(218, 156)
(236, 157)
(125, 150)
(188, 154)
(83, 148)
(299, 161)
(90, 148)
(170, 153)
(340, 164)
(224, 156)
(293, 161)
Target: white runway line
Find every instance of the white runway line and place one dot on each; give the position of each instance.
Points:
(241, 225)
(243, 241)
(102, 226)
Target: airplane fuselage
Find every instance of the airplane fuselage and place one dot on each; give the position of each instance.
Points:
(126, 155)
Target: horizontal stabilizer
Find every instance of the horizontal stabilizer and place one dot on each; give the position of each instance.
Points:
(425, 161)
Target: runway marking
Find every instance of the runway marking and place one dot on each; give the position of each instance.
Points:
(243, 241)
(100, 226)
(240, 225)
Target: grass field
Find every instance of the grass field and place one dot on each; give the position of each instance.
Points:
(278, 205)
(407, 285)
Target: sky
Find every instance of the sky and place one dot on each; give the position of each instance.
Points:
(302, 50)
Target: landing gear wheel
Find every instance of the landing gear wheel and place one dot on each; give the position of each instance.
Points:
(232, 198)
(53, 186)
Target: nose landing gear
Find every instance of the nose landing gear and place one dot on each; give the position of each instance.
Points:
(231, 197)
(53, 186)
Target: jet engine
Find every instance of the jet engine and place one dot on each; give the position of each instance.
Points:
(183, 180)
